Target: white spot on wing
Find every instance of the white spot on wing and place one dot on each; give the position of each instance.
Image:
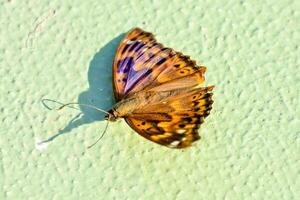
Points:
(174, 143)
(129, 42)
(181, 131)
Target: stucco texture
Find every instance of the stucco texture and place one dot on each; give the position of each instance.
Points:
(63, 50)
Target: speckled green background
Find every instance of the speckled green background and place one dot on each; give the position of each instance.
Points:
(250, 147)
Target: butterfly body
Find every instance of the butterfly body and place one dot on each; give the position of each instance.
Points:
(159, 91)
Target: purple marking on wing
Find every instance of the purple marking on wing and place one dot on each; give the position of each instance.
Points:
(142, 54)
(136, 46)
(135, 77)
(151, 55)
(141, 45)
(132, 73)
(133, 45)
(125, 65)
(147, 58)
(145, 49)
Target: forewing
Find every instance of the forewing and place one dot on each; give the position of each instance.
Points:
(141, 63)
(133, 44)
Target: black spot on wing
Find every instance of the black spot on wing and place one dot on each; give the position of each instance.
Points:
(139, 47)
(161, 61)
(125, 64)
(135, 44)
(125, 48)
(181, 125)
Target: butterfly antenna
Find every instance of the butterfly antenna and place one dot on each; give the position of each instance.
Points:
(69, 105)
(99, 137)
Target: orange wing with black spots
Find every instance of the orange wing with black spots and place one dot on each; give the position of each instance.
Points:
(179, 103)
(175, 121)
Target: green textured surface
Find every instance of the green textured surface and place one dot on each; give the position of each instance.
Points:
(250, 147)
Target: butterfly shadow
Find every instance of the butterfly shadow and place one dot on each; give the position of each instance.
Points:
(100, 91)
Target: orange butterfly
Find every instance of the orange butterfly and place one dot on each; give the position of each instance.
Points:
(159, 91)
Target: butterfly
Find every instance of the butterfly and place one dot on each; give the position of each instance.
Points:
(159, 91)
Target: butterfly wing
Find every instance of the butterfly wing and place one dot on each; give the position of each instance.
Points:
(141, 63)
(134, 44)
(175, 121)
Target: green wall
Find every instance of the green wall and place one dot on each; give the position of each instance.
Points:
(63, 50)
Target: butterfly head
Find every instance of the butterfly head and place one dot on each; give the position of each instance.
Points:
(111, 116)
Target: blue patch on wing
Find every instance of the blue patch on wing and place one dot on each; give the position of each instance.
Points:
(135, 51)
(125, 65)
(135, 77)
